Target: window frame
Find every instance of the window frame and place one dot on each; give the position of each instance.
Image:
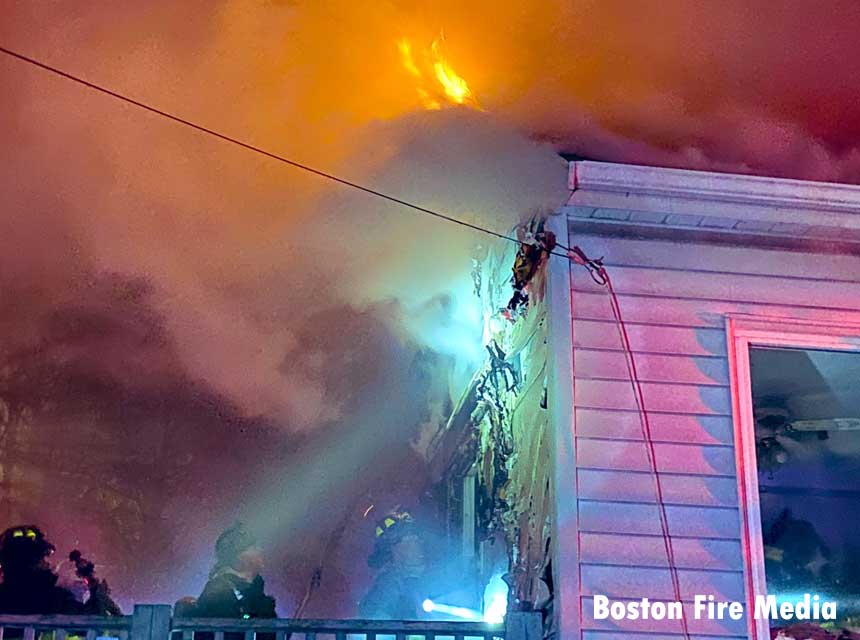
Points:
(743, 332)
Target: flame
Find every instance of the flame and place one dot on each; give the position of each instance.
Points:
(455, 86)
(439, 82)
(406, 57)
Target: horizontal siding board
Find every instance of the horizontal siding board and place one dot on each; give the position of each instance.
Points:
(709, 460)
(639, 582)
(723, 286)
(591, 334)
(650, 551)
(686, 521)
(704, 625)
(719, 258)
(626, 486)
(653, 367)
(695, 313)
(595, 305)
(688, 208)
(626, 424)
(617, 394)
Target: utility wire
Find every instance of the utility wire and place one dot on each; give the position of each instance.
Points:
(254, 148)
(575, 254)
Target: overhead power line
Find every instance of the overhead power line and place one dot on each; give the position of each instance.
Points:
(250, 147)
(575, 254)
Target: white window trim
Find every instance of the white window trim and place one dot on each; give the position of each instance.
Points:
(744, 331)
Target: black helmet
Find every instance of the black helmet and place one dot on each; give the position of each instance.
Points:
(389, 531)
(23, 546)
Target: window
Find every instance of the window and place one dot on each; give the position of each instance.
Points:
(797, 415)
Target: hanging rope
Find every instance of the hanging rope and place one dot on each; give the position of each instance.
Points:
(601, 276)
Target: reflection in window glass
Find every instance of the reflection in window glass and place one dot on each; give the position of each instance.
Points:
(807, 429)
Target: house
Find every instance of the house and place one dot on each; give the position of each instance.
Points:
(739, 297)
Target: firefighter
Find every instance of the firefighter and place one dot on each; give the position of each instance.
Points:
(398, 591)
(796, 556)
(235, 588)
(30, 584)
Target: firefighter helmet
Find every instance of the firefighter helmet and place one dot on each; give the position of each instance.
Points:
(23, 546)
(389, 531)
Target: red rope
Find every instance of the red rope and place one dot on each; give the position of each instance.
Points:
(600, 275)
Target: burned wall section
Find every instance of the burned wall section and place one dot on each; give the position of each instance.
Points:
(502, 419)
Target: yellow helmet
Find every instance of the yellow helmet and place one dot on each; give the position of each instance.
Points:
(23, 545)
(392, 519)
(389, 530)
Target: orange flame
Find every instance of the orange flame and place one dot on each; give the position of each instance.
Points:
(438, 82)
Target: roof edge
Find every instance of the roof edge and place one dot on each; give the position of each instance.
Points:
(684, 184)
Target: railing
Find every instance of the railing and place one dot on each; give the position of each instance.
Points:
(156, 622)
(64, 627)
(338, 629)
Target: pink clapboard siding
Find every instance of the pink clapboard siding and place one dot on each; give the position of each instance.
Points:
(705, 627)
(674, 298)
(665, 427)
(648, 551)
(656, 583)
(654, 367)
(643, 519)
(702, 313)
(638, 486)
(708, 460)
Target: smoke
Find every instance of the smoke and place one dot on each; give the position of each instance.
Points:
(193, 332)
(231, 337)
